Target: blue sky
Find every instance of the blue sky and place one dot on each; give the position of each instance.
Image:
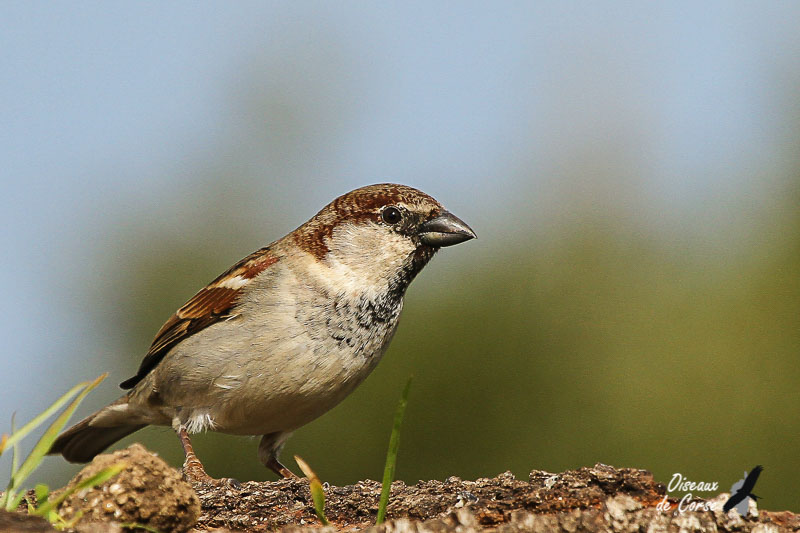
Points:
(110, 109)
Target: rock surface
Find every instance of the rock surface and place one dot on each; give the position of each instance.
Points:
(23, 523)
(598, 498)
(148, 492)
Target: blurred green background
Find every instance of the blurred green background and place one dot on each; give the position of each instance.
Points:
(633, 175)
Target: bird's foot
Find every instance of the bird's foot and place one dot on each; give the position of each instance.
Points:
(276, 466)
(193, 471)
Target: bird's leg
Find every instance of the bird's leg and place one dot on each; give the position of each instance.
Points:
(268, 450)
(193, 470)
(276, 466)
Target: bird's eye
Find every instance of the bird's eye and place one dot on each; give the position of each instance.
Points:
(391, 215)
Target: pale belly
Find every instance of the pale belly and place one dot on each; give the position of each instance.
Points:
(272, 380)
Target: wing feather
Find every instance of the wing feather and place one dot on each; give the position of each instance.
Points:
(213, 303)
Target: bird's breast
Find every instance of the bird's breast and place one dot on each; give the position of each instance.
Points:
(300, 359)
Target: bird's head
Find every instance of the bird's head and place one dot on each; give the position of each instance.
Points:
(380, 235)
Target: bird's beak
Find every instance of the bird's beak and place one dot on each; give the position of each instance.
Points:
(445, 230)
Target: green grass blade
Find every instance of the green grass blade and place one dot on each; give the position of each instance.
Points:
(88, 483)
(16, 436)
(51, 433)
(318, 495)
(11, 489)
(14, 502)
(42, 493)
(391, 455)
(15, 446)
(315, 485)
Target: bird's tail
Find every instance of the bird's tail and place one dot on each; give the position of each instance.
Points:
(95, 433)
(754, 496)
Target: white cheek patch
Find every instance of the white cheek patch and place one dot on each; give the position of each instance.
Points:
(363, 258)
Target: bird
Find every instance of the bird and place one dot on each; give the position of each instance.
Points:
(743, 491)
(285, 334)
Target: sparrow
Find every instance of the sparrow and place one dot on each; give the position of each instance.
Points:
(285, 334)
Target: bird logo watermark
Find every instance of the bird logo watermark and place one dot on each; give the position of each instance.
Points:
(679, 483)
(742, 492)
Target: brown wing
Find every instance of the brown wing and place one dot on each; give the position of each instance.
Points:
(215, 302)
